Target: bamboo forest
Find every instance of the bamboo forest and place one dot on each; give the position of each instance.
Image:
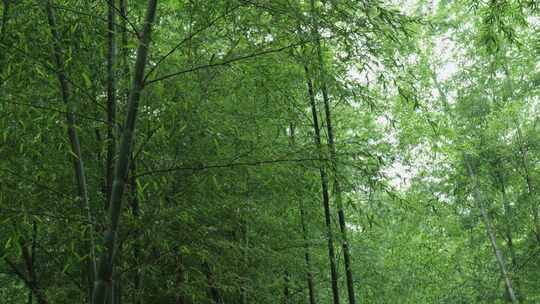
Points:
(269, 151)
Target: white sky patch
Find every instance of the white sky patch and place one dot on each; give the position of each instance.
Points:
(268, 38)
(408, 6)
(412, 59)
(367, 75)
(354, 227)
(533, 21)
(400, 172)
(354, 74)
(400, 175)
(443, 48)
(448, 70)
(383, 121)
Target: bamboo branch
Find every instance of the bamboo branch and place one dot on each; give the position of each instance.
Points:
(229, 165)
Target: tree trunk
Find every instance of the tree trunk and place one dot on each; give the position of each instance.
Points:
(33, 256)
(32, 285)
(499, 174)
(524, 161)
(116, 290)
(137, 278)
(78, 164)
(134, 203)
(5, 18)
(490, 232)
(324, 186)
(103, 280)
(111, 99)
(334, 162)
(30, 279)
(124, 55)
(286, 291)
(245, 240)
(307, 257)
(179, 279)
(530, 188)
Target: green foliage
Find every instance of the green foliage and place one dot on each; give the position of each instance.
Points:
(224, 158)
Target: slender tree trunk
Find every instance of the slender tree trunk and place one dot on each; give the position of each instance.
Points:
(109, 292)
(116, 291)
(334, 162)
(507, 218)
(134, 203)
(78, 164)
(103, 280)
(508, 226)
(530, 188)
(245, 240)
(338, 199)
(33, 256)
(32, 285)
(5, 18)
(111, 99)
(30, 279)
(524, 160)
(179, 279)
(324, 186)
(490, 232)
(30, 300)
(307, 257)
(135, 209)
(124, 49)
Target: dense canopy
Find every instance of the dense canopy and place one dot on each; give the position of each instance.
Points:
(269, 151)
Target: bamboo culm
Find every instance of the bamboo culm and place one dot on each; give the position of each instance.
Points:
(324, 186)
(105, 268)
(111, 100)
(333, 159)
(305, 233)
(78, 165)
(489, 231)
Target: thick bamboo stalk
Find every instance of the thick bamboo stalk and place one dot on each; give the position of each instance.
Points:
(106, 261)
(111, 99)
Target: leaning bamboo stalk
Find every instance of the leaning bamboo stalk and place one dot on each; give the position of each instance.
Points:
(490, 232)
(78, 165)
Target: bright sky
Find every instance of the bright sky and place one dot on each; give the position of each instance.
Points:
(399, 172)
